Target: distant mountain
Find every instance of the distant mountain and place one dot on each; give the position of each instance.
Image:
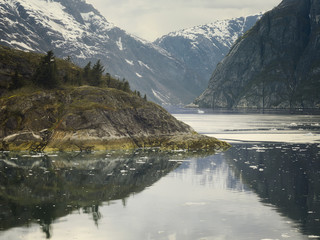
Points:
(76, 29)
(276, 64)
(202, 47)
(175, 69)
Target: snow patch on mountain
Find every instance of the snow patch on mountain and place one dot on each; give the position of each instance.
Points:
(129, 62)
(142, 64)
(139, 75)
(221, 30)
(119, 44)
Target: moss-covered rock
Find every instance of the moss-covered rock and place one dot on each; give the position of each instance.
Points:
(88, 118)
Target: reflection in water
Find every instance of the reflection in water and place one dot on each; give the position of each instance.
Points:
(263, 191)
(287, 176)
(37, 188)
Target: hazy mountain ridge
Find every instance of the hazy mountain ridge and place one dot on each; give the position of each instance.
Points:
(202, 47)
(275, 65)
(74, 28)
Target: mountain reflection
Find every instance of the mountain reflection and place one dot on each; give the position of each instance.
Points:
(287, 176)
(44, 188)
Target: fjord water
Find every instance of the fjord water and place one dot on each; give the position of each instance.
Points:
(267, 186)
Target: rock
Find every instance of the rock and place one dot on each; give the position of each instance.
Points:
(92, 118)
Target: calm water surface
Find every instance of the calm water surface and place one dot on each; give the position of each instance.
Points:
(267, 186)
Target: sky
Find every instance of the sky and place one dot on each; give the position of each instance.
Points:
(151, 19)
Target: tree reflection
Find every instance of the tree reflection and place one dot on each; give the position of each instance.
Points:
(94, 211)
(287, 176)
(44, 188)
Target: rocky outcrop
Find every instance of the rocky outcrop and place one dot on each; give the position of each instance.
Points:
(275, 65)
(89, 118)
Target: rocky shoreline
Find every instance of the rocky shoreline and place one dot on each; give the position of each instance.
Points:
(90, 118)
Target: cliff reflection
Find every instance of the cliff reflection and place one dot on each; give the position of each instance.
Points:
(44, 188)
(287, 176)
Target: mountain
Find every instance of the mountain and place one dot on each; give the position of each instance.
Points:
(276, 64)
(76, 29)
(55, 109)
(202, 47)
(174, 69)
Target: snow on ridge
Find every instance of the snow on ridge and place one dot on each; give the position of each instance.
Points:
(220, 30)
(119, 44)
(142, 64)
(52, 15)
(129, 62)
(162, 98)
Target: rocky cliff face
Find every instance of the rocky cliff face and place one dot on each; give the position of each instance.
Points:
(89, 118)
(275, 65)
(202, 47)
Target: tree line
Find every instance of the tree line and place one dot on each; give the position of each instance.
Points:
(53, 73)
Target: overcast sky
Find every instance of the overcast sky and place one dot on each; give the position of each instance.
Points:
(150, 19)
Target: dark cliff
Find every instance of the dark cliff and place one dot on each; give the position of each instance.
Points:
(276, 64)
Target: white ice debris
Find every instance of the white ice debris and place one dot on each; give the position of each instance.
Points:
(195, 204)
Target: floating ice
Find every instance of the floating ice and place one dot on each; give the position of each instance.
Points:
(195, 204)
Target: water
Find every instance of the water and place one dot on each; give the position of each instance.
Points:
(267, 186)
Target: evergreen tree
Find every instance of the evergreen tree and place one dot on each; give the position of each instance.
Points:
(108, 79)
(126, 86)
(96, 74)
(16, 81)
(46, 73)
(86, 71)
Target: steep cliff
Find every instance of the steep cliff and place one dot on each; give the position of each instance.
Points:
(276, 64)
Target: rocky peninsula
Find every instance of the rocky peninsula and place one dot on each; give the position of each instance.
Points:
(92, 118)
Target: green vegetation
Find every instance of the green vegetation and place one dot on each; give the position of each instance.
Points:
(27, 72)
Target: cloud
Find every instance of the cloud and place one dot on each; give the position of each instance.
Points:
(150, 19)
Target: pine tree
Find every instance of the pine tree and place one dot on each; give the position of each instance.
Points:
(96, 74)
(126, 86)
(46, 73)
(108, 79)
(86, 71)
(16, 81)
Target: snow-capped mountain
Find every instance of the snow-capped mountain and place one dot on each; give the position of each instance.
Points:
(175, 73)
(202, 47)
(76, 29)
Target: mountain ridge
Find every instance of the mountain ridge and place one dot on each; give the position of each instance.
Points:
(274, 65)
(51, 104)
(73, 28)
(202, 47)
